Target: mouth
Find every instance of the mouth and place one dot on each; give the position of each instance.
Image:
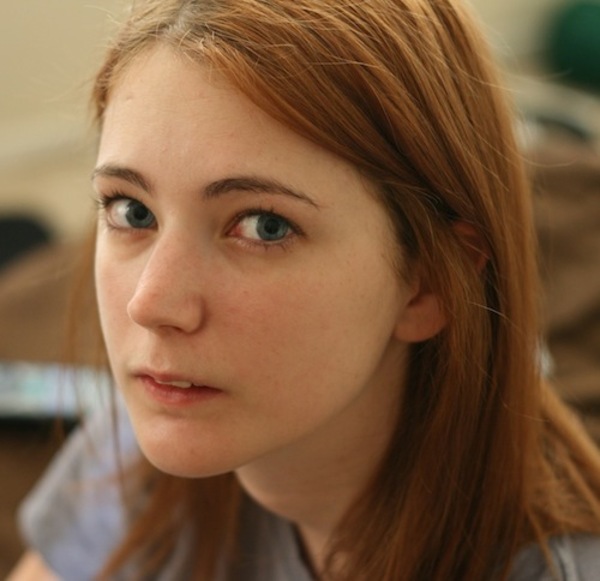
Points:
(179, 384)
(175, 380)
(176, 390)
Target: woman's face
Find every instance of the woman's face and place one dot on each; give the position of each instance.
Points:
(244, 279)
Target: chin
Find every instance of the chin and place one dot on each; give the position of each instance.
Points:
(185, 457)
(174, 463)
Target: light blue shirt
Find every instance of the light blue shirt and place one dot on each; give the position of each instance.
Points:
(74, 518)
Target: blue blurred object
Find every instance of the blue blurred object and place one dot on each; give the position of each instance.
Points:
(41, 391)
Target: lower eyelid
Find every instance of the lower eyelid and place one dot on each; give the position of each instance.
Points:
(265, 246)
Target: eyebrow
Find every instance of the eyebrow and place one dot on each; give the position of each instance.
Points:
(123, 173)
(257, 185)
(213, 190)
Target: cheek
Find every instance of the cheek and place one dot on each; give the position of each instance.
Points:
(314, 323)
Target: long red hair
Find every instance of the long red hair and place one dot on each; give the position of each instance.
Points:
(484, 459)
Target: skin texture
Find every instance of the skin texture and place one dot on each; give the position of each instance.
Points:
(304, 337)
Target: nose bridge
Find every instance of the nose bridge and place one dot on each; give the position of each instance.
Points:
(168, 290)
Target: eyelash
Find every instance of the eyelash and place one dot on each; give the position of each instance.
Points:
(104, 201)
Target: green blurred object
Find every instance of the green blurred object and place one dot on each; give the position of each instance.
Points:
(574, 43)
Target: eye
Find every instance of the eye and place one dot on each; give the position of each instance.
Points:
(123, 212)
(263, 227)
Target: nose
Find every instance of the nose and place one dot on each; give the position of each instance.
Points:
(168, 293)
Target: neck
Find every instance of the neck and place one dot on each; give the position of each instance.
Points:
(315, 481)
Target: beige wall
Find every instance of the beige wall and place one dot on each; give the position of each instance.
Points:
(517, 27)
(48, 51)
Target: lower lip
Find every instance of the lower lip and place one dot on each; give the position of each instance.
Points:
(178, 396)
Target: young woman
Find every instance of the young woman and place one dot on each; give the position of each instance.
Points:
(315, 271)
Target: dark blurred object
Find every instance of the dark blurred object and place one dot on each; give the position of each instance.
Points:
(573, 44)
(565, 172)
(20, 235)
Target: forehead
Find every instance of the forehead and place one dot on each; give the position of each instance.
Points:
(162, 92)
(171, 114)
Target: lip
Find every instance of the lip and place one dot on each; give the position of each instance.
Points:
(154, 386)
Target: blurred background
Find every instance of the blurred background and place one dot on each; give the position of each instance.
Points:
(49, 51)
(550, 53)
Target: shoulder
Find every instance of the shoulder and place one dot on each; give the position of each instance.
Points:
(73, 517)
(575, 558)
